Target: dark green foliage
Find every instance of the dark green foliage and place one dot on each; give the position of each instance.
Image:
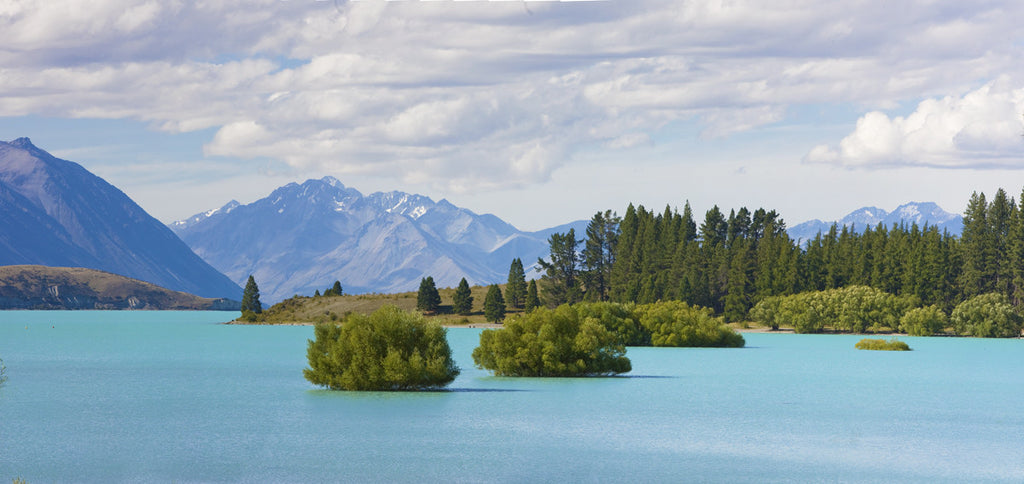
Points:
(560, 274)
(882, 345)
(515, 289)
(598, 255)
(494, 304)
(428, 299)
(316, 293)
(532, 298)
(334, 290)
(678, 324)
(251, 297)
(388, 350)
(925, 321)
(551, 342)
(462, 300)
(987, 316)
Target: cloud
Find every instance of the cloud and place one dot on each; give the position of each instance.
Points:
(981, 129)
(471, 95)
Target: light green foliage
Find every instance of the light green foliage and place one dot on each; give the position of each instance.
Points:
(251, 298)
(924, 321)
(987, 316)
(428, 299)
(675, 323)
(390, 349)
(552, 342)
(882, 345)
(462, 300)
(854, 309)
(620, 319)
(494, 304)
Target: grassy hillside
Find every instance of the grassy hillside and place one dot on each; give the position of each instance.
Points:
(303, 309)
(42, 287)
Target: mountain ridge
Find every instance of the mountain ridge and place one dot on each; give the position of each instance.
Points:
(920, 213)
(57, 213)
(313, 233)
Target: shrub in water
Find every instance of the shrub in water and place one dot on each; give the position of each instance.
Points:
(388, 350)
(882, 345)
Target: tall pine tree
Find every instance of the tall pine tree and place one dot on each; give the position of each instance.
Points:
(494, 304)
(251, 297)
(515, 289)
(427, 299)
(462, 300)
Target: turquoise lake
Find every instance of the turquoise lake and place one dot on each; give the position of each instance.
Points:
(176, 397)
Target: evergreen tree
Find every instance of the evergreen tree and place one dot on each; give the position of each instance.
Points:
(462, 300)
(336, 288)
(428, 300)
(975, 242)
(316, 293)
(515, 290)
(494, 304)
(251, 297)
(598, 256)
(532, 298)
(560, 275)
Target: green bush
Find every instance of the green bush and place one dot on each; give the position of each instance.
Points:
(882, 345)
(388, 350)
(675, 323)
(552, 342)
(986, 316)
(619, 319)
(924, 321)
(855, 309)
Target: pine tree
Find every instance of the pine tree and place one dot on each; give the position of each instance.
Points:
(494, 304)
(598, 256)
(462, 301)
(975, 243)
(317, 293)
(532, 298)
(336, 288)
(515, 290)
(251, 297)
(560, 275)
(428, 300)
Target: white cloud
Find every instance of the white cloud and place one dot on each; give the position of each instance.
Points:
(469, 95)
(981, 129)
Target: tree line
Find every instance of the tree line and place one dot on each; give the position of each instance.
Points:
(729, 263)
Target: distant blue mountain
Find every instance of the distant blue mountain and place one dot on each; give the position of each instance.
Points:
(54, 212)
(920, 213)
(302, 237)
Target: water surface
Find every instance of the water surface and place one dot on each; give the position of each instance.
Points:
(173, 396)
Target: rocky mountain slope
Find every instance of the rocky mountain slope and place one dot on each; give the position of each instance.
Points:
(42, 287)
(302, 237)
(54, 212)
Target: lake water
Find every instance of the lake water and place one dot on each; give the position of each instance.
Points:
(175, 397)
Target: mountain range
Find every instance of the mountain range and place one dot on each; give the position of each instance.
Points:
(57, 213)
(302, 237)
(920, 213)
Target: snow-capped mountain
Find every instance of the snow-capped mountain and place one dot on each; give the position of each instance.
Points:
(54, 212)
(920, 213)
(302, 237)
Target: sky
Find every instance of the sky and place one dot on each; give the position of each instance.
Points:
(539, 112)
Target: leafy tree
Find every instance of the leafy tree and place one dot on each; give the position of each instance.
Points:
(924, 321)
(987, 316)
(462, 301)
(251, 298)
(532, 298)
(560, 275)
(494, 304)
(515, 289)
(675, 323)
(551, 343)
(427, 299)
(388, 350)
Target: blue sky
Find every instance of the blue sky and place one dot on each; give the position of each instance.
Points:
(538, 112)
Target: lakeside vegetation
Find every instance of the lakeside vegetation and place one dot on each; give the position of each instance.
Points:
(882, 345)
(589, 339)
(388, 350)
